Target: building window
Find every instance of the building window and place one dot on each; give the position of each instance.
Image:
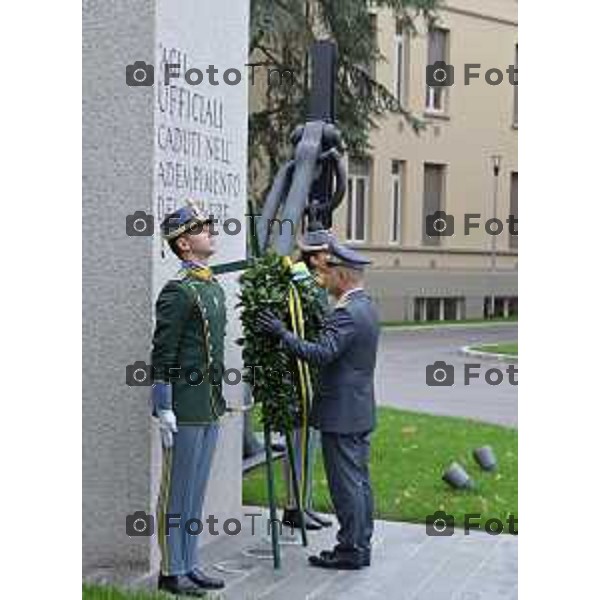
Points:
(513, 240)
(450, 308)
(500, 307)
(433, 196)
(436, 96)
(396, 200)
(359, 173)
(401, 58)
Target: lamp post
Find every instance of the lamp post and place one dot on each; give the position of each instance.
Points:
(496, 162)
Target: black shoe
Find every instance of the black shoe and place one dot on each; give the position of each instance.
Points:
(364, 555)
(320, 519)
(291, 518)
(179, 584)
(365, 558)
(205, 581)
(333, 560)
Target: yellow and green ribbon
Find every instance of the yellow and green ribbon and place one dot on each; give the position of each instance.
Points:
(306, 393)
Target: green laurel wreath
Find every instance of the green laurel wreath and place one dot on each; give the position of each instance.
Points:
(270, 371)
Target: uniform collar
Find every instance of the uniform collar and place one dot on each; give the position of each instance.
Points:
(197, 270)
(193, 264)
(344, 297)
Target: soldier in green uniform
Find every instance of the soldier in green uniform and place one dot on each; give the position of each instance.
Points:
(314, 250)
(187, 359)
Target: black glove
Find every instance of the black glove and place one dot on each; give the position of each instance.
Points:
(268, 323)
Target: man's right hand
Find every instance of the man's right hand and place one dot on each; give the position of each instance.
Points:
(167, 423)
(268, 323)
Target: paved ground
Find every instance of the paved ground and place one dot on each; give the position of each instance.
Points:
(407, 565)
(402, 361)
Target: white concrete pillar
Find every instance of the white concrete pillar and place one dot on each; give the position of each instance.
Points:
(127, 167)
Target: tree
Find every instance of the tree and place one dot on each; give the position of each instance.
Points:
(281, 32)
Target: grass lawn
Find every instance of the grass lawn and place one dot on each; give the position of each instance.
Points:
(409, 452)
(509, 348)
(449, 322)
(100, 592)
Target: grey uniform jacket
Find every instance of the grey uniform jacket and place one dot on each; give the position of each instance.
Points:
(345, 353)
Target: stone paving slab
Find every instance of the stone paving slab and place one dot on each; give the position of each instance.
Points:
(407, 564)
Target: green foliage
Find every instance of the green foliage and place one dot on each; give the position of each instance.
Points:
(272, 372)
(282, 32)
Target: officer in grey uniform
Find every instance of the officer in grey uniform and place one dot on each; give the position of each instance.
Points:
(344, 407)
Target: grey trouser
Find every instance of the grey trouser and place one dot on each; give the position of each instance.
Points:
(346, 460)
(185, 472)
(305, 480)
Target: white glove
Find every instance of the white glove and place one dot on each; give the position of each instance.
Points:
(167, 424)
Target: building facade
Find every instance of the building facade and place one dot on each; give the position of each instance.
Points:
(464, 163)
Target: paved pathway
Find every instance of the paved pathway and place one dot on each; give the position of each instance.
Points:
(407, 564)
(404, 355)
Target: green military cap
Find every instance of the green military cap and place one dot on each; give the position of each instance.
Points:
(184, 219)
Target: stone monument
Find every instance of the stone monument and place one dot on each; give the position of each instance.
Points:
(148, 145)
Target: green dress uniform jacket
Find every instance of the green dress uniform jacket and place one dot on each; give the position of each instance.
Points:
(188, 346)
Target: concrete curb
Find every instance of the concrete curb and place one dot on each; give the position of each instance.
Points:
(468, 351)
